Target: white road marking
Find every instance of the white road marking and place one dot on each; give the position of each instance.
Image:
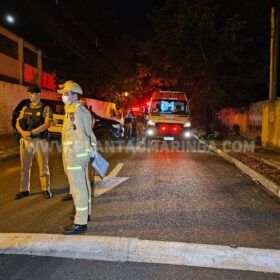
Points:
(119, 249)
(112, 174)
(109, 182)
(116, 170)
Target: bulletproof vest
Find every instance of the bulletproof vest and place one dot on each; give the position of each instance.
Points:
(33, 118)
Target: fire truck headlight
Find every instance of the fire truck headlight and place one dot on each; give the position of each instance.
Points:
(188, 134)
(150, 132)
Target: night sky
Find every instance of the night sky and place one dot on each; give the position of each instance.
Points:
(66, 31)
(104, 38)
(132, 15)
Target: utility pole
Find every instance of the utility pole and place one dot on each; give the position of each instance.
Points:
(273, 54)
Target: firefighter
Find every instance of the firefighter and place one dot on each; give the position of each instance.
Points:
(32, 124)
(79, 144)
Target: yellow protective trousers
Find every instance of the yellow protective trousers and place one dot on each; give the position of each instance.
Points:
(75, 164)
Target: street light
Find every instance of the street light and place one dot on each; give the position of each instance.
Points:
(10, 19)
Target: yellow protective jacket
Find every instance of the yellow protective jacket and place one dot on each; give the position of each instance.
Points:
(77, 129)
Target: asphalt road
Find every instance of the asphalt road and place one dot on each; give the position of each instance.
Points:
(194, 197)
(18, 267)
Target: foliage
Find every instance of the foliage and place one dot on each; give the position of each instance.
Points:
(209, 48)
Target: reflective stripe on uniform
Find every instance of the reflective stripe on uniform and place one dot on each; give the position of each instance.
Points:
(82, 155)
(67, 143)
(82, 208)
(77, 167)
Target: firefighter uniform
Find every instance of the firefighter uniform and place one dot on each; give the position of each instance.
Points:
(79, 142)
(30, 118)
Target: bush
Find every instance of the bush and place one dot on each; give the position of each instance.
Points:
(215, 136)
(201, 134)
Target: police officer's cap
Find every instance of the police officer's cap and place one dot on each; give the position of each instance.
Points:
(34, 89)
(70, 86)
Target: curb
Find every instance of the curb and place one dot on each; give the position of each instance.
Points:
(121, 249)
(272, 187)
(269, 185)
(9, 155)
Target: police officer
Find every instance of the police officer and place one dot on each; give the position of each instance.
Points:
(79, 144)
(32, 124)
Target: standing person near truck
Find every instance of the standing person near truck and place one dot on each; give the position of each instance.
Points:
(128, 118)
(32, 124)
(140, 120)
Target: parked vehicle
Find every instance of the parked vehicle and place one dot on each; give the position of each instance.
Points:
(104, 129)
(107, 129)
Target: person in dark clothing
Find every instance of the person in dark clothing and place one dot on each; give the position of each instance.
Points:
(140, 120)
(128, 118)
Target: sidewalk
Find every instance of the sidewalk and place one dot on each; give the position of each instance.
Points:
(8, 147)
(261, 164)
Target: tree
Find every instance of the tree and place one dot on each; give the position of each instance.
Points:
(208, 47)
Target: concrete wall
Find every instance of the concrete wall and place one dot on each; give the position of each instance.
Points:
(9, 67)
(271, 124)
(12, 94)
(249, 121)
(17, 69)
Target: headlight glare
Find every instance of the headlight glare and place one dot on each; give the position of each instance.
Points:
(188, 124)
